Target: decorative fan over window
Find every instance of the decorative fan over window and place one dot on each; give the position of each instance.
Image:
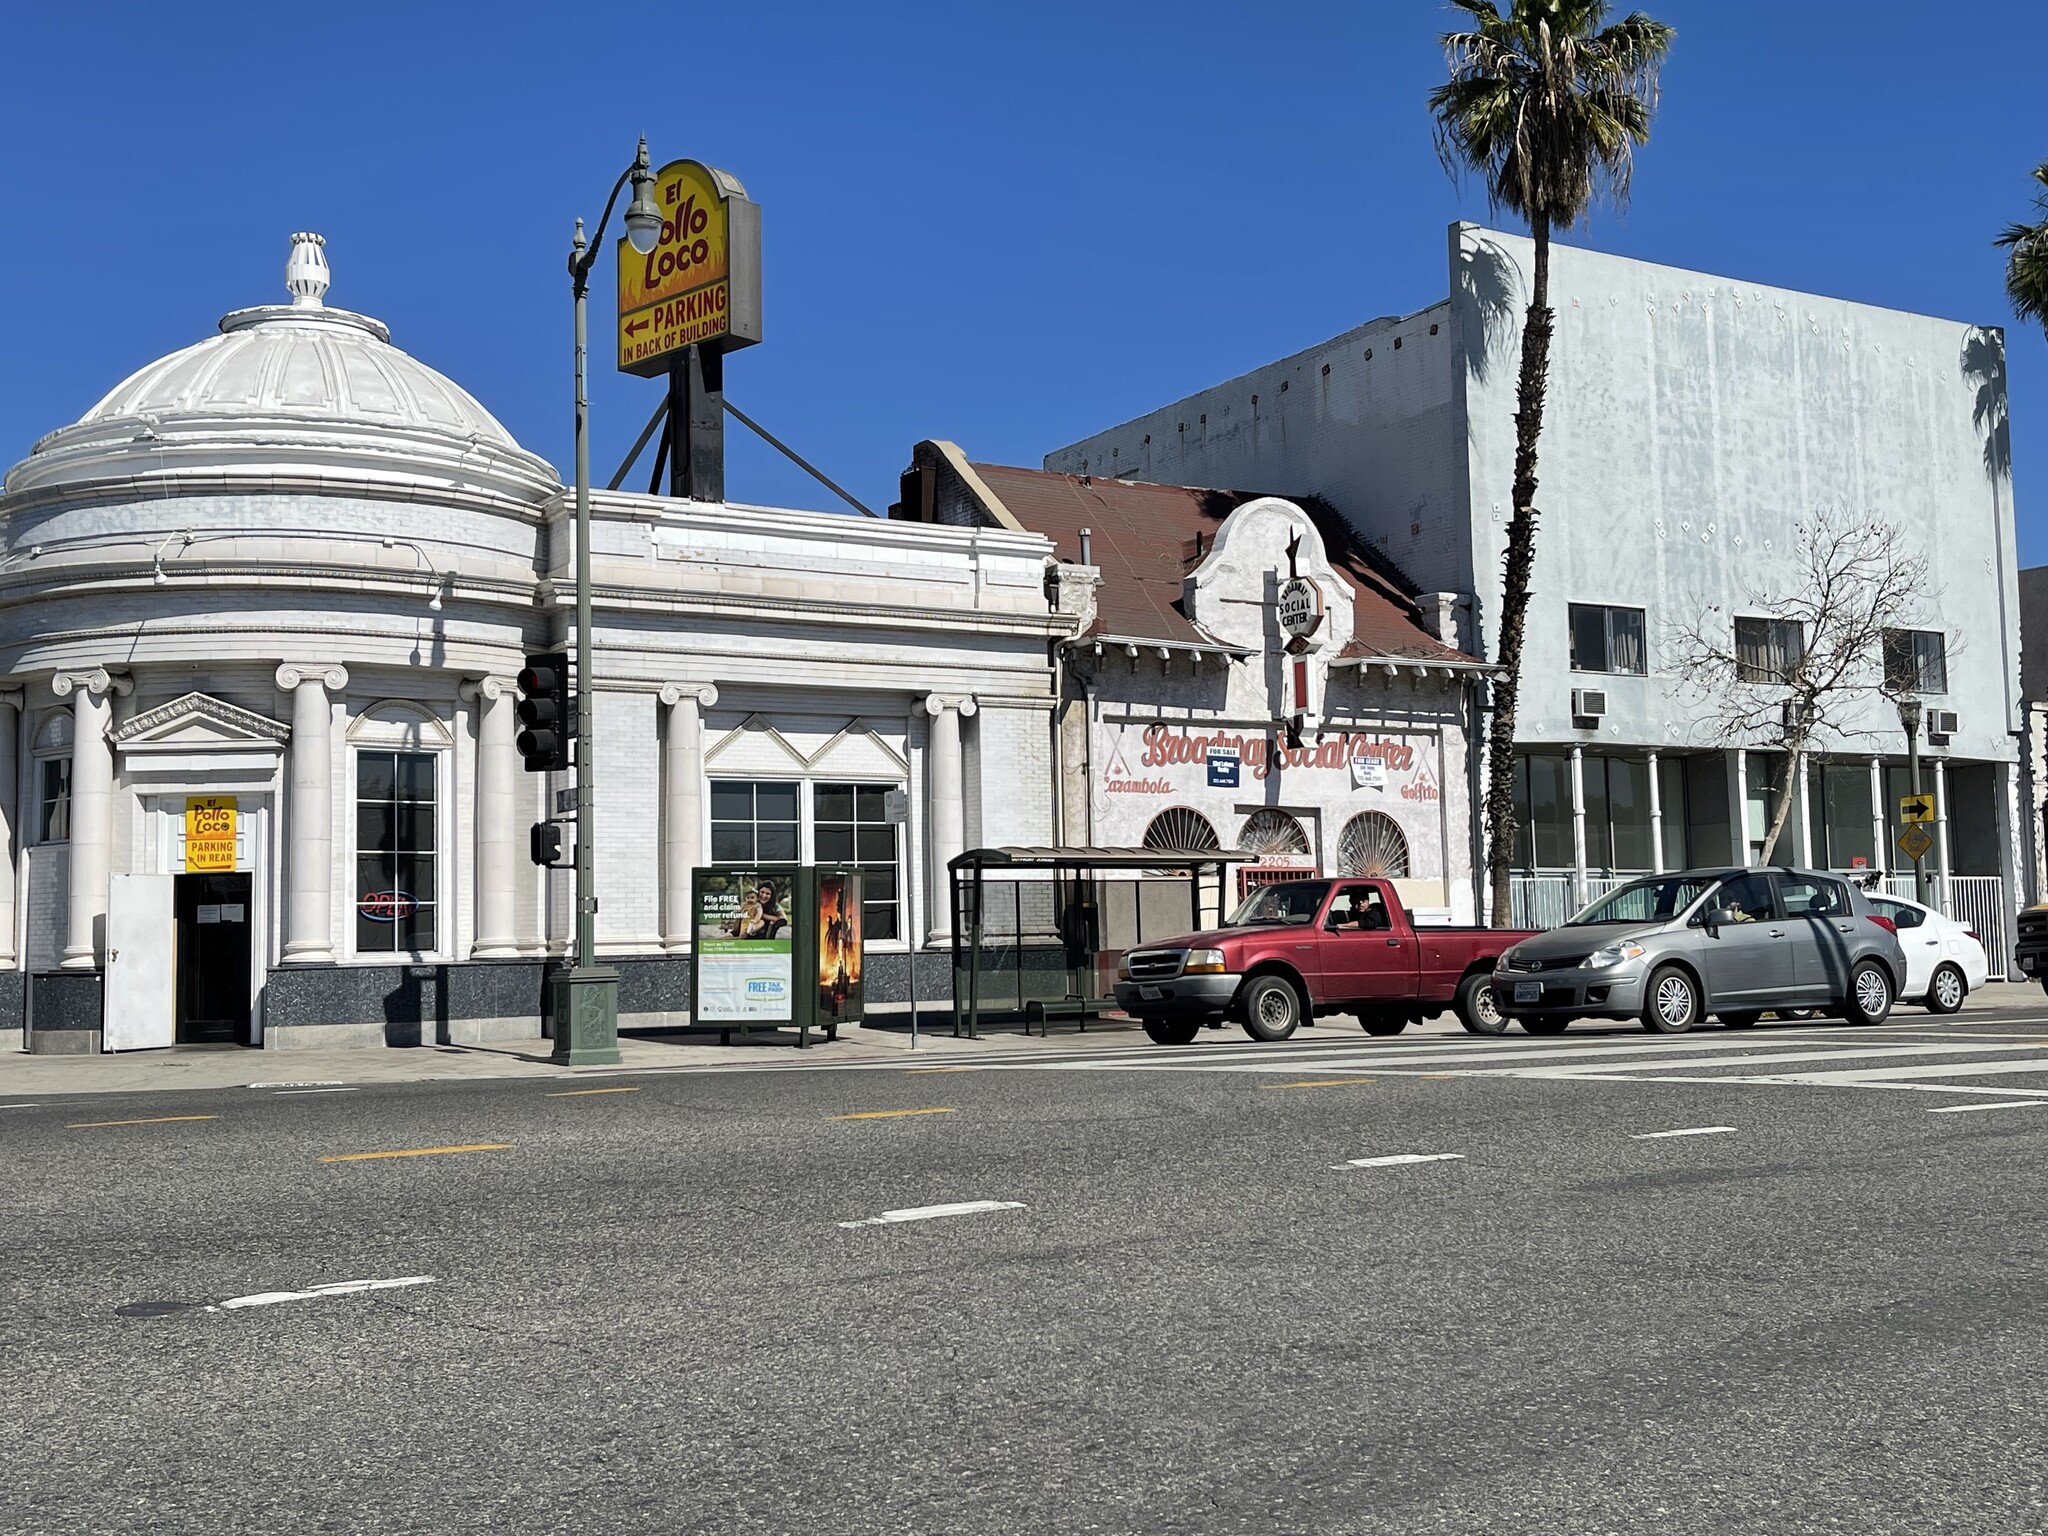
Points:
(1372, 844)
(1181, 828)
(1273, 835)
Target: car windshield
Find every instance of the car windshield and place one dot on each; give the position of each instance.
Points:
(1297, 901)
(1655, 900)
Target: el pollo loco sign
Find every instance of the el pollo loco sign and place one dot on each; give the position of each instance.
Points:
(701, 284)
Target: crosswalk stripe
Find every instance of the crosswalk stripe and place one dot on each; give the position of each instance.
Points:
(2038, 1064)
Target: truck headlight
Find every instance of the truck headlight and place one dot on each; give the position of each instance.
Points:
(1123, 970)
(1609, 955)
(1203, 962)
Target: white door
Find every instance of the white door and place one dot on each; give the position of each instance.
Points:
(142, 972)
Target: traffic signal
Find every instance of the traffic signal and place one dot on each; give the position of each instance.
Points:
(546, 843)
(544, 713)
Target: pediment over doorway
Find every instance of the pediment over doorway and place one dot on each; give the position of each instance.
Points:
(200, 722)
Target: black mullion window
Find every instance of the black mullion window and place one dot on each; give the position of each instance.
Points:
(754, 822)
(1767, 650)
(397, 873)
(1607, 639)
(850, 825)
(54, 824)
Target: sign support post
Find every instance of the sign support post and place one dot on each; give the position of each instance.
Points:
(696, 424)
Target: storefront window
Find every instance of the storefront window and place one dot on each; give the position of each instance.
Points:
(1543, 811)
(397, 884)
(850, 825)
(53, 825)
(754, 822)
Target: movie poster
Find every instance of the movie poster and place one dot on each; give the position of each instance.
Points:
(838, 946)
(744, 969)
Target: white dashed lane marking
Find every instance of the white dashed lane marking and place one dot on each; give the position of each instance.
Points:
(1696, 1130)
(1400, 1158)
(935, 1212)
(1964, 1109)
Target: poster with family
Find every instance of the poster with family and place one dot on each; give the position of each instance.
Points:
(744, 947)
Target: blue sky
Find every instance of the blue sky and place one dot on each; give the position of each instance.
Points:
(1009, 226)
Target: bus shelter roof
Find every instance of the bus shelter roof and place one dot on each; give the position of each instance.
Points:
(1095, 858)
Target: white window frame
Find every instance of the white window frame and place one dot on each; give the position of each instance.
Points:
(403, 725)
(52, 743)
(807, 827)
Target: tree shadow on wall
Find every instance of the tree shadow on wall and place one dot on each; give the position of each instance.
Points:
(1491, 282)
(1983, 364)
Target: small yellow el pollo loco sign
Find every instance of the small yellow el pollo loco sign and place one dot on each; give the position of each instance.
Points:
(210, 834)
(701, 285)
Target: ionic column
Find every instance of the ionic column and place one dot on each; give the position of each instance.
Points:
(10, 782)
(948, 792)
(682, 844)
(496, 811)
(92, 809)
(309, 855)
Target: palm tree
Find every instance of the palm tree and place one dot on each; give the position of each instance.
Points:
(2026, 270)
(1547, 104)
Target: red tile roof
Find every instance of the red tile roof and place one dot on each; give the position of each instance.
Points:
(1145, 538)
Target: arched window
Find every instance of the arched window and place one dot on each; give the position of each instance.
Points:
(1372, 844)
(1181, 828)
(1273, 834)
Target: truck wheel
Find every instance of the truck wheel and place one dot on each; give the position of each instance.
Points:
(1870, 994)
(1382, 1023)
(1545, 1026)
(1945, 993)
(1671, 1002)
(1272, 1010)
(1477, 1008)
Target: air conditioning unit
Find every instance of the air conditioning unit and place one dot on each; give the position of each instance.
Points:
(1941, 724)
(1589, 703)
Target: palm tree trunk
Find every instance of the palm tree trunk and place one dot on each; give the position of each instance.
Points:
(1517, 566)
(1785, 797)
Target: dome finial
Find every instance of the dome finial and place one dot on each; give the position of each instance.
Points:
(305, 271)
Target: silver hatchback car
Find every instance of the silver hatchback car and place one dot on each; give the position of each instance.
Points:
(1737, 943)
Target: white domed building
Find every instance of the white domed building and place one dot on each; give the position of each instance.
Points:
(289, 573)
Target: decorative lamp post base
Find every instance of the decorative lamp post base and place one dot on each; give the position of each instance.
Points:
(586, 1011)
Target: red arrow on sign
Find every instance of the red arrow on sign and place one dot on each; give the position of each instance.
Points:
(637, 325)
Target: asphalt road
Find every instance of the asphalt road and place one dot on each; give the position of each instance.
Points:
(639, 1311)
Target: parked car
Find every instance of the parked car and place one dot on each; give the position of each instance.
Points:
(1945, 959)
(1299, 949)
(1737, 943)
(2030, 954)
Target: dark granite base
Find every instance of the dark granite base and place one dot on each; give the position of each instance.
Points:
(13, 999)
(408, 1004)
(63, 1012)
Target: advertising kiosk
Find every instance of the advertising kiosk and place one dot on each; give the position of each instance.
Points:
(778, 946)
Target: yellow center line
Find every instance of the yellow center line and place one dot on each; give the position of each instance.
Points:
(91, 1125)
(577, 1093)
(888, 1114)
(364, 1157)
(1323, 1082)
(917, 1071)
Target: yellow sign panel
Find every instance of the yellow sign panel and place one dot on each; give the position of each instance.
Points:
(1914, 808)
(700, 285)
(210, 834)
(1914, 842)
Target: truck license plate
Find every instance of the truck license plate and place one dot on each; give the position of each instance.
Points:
(1150, 994)
(1528, 991)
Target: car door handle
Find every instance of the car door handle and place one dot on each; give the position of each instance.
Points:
(1841, 927)
(1777, 933)
(1304, 948)
(1393, 943)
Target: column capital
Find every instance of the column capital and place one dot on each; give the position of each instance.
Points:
(491, 687)
(330, 675)
(672, 694)
(938, 703)
(97, 681)
(10, 695)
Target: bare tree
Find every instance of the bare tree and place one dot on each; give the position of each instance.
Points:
(1796, 663)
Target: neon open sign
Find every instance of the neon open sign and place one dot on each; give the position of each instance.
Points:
(386, 906)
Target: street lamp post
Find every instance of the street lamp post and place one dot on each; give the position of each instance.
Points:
(587, 995)
(1909, 717)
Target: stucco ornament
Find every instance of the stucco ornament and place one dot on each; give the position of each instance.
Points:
(1231, 595)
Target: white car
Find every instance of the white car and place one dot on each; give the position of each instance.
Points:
(1945, 960)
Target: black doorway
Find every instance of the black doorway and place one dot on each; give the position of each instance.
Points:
(213, 959)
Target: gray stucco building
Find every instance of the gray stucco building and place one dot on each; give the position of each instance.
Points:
(1692, 421)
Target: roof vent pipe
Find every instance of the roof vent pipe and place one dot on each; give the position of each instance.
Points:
(1087, 546)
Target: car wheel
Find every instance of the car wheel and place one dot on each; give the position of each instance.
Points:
(1544, 1026)
(1272, 1009)
(1870, 993)
(1738, 1020)
(1477, 1008)
(1173, 1031)
(1947, 989)
(1382, 1023)
(1671, 1002)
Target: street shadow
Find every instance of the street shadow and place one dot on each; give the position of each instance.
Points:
(1983, 364)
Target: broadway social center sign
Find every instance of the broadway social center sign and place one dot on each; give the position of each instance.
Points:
(1172, 759)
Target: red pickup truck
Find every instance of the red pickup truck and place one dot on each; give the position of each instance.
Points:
(1295, 951)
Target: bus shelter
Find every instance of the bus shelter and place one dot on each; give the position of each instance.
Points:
(1037, 932)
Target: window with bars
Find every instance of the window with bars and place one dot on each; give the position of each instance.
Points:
(1768, 650)
(1915, 661)
(850, 825)
(754, 822)
(53, 819)
(1607, 639)
(397, 853)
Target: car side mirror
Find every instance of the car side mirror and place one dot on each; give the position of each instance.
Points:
(1717, 916)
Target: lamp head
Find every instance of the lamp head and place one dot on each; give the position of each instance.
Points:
(643, 219)
(1909, 714)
